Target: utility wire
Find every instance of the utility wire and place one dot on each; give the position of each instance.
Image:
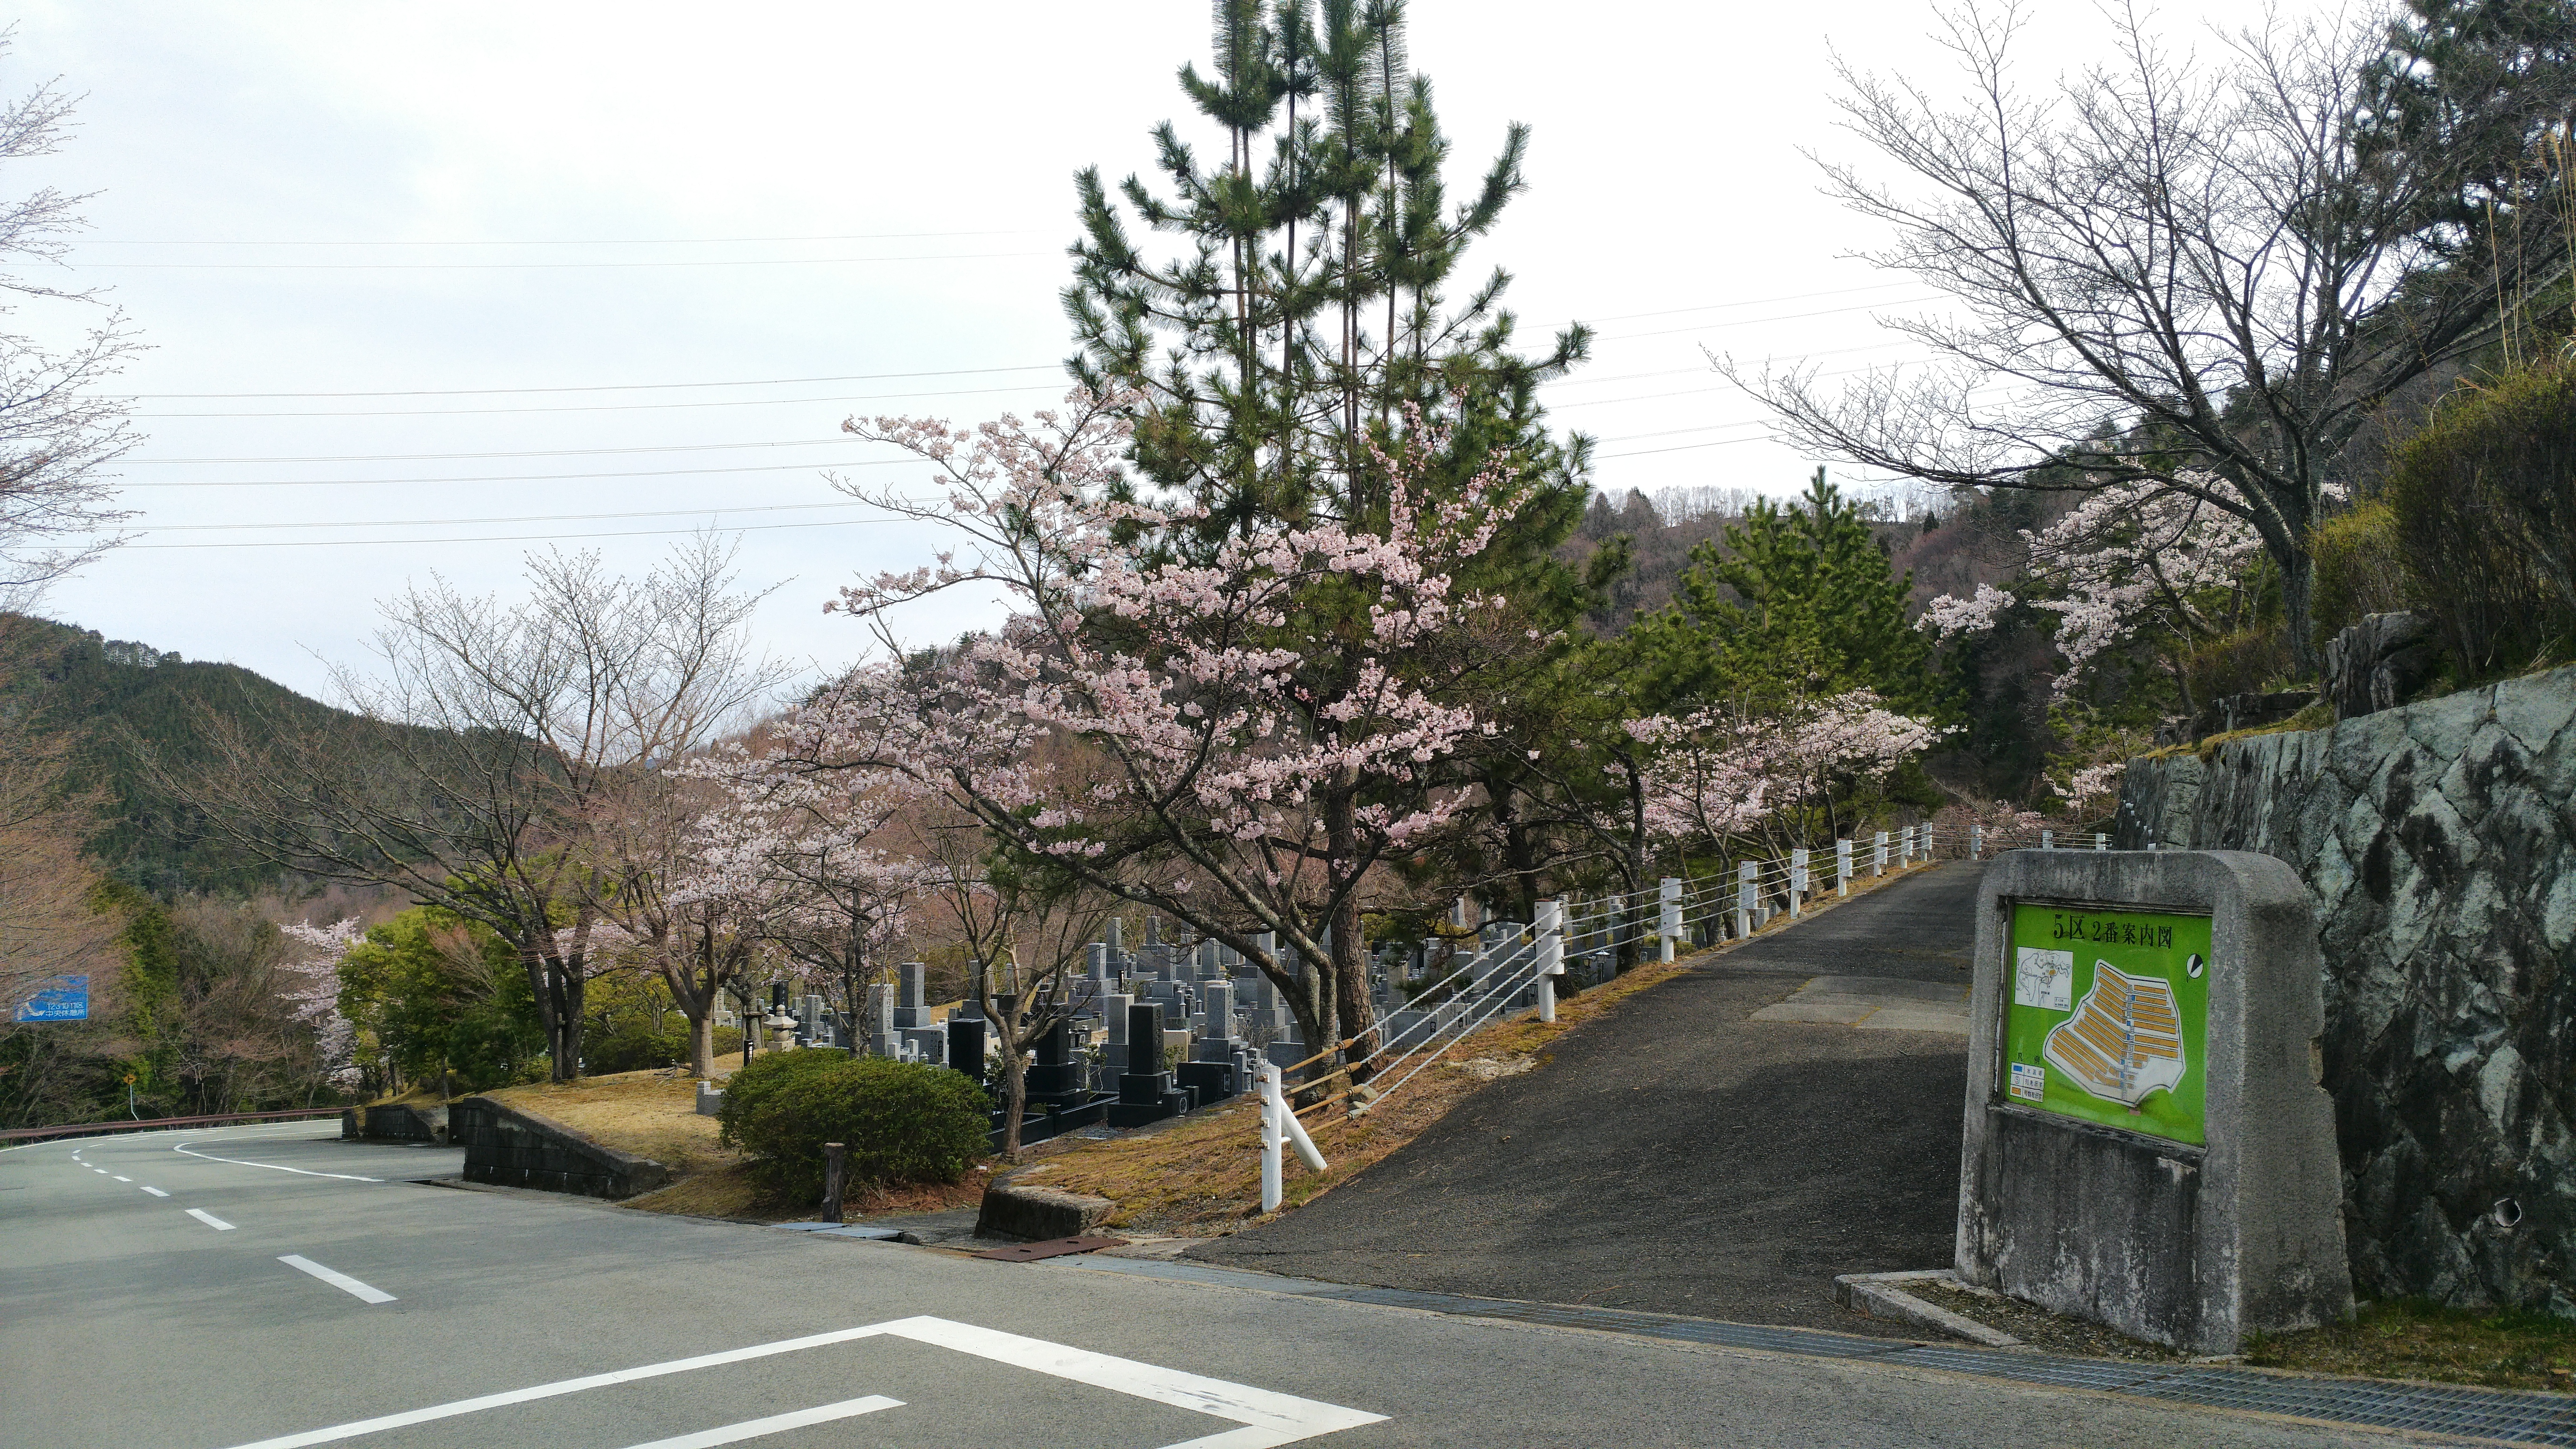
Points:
(507, 538)
(604, 386)
(533, 266)
(522, 518)
(731, 402)
(646, 241)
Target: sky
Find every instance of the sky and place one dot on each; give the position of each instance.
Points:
(429, 287)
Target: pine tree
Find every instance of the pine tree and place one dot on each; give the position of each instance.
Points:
(1799, 601)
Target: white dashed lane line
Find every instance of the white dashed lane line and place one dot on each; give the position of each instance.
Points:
(156, 1192)
(341, 1281)
(210, 1220)
(121, 1179)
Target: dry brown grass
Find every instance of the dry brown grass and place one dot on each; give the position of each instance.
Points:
(729, 1192)
(651, 1114)
(1200, 1176)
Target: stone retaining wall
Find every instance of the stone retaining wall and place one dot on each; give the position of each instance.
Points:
(2439, 840)
(511, 1148)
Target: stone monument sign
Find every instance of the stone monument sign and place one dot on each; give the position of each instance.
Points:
(2147, 1144)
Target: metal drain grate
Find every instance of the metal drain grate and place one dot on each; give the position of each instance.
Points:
(2520, 1418)
(2031, 1368)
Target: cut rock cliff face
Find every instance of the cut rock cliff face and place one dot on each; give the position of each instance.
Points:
(2440, 842)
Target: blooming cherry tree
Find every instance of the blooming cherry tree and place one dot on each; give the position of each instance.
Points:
(312, 994)
(1233, 730)
(1723, 776)
(2140, 559)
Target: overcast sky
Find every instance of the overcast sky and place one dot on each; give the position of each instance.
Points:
(662, 222)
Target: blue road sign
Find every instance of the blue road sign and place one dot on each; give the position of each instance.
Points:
(65, 1000)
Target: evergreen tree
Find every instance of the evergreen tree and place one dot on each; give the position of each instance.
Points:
(1799, 601)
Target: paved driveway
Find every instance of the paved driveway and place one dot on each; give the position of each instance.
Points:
(1677, 1155)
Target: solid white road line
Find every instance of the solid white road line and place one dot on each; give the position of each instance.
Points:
(341, 1281)
(210, 1220)
(776, 1424)
(273, 1167)
(156, 1192)
(1268, 1418)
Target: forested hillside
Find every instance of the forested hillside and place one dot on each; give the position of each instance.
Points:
(113, 702)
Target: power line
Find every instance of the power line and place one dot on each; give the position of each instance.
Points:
(1758, 321)
(731, 402)
(502, 538)
(533, 266)
(520, 477)
(605, 386)
(647, 241)
(537, 453)
(523, 518)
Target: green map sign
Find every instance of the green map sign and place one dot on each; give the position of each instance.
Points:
(2108, 1018)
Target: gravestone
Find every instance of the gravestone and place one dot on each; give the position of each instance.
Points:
(966, 1045)
(909, 1008)
(1146, 1096)
(881, 1029)
(2147, 1146)
(926, 1043)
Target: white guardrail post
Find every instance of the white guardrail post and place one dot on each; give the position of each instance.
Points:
(1905, 860)
(1668, 923)
(1842, 867)
(1977, 841)
(2101, 841)
(1744, 893)
(1278, 1127)
(2048, 840)
(1797, 878)
(1551, 955)
(1878, 856)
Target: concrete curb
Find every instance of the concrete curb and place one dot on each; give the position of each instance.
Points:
(1883, 1295)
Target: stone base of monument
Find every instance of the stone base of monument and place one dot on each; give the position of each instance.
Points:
(1145, 1097)
(2147, 1144)
(1208, 1082)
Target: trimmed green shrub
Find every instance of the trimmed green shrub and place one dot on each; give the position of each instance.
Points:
(2485, 498)
(900, 1121)
(764, 1077)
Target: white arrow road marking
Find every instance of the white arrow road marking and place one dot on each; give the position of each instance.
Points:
(1268, 1418)
(156, 1192)
(273, 1167)
(210, 1220)
(776, 1424)
(341, 1281)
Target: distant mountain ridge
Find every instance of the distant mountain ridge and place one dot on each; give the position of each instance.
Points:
(110, 699)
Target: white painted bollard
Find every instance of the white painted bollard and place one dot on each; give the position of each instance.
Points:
(2048, 840)
(1745, 891)
(1280, 1127)
(1668, 922)
(2101, 841)
(1977, 841)
(1797, 878)
(1551, 955)
(1878, 856)
(1907, 857)
(1842, 867)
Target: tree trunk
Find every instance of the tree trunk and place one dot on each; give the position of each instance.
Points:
(2298, 600)
(702, 1044)
(1015, 1097)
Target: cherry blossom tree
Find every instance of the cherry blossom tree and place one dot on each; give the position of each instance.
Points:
(807, 853)
(1738, 776)
(312, 994)
(2139, 560)
(1233, 731)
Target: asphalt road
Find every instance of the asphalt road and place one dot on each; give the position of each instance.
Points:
(126, 1319)
(1674, 1156)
